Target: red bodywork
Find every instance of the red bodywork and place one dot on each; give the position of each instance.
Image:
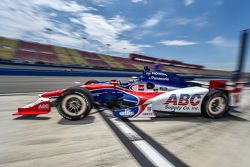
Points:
(235, 87)
(55, 93)
(41, 106)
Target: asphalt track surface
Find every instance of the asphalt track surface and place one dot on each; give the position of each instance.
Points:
(99, 140)
(24, 84)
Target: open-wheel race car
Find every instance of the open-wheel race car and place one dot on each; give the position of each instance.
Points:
(141, 97)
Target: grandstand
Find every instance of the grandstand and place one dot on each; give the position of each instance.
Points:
(142, 58)
(18, 51)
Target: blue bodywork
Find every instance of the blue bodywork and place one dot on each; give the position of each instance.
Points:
(160, 78)
(156, 78)
(105, 96)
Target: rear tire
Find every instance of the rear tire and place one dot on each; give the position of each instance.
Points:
(75, 104)
(215, 104)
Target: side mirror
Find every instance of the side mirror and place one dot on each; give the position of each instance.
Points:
(150, 85)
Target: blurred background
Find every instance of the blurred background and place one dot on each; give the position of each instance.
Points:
(48, 45)
(184, 36)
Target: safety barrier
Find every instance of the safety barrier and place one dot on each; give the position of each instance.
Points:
(94, 73)
(34, 72)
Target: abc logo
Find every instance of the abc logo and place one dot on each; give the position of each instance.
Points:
(43, 106)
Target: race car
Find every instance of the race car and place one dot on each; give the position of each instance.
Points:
(140, 98)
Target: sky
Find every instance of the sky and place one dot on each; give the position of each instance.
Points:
(193, 31)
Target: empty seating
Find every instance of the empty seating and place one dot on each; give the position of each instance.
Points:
(129, 66)
(64, 59)
(139, 66)
(168, 69)
(187, 70)
(8, 43)
(60, 50)
(45, 49)
(97, 63)
(63, 56)
(89, 55)
(79, 60)
(7, 53)
(76, 56)
(28, 46)
(127, 63)
(34, 52)
(92, 59)
(48, 58)
(27, 56)
(35, 47)
(176, 69)
(73, 52)
(111, 61)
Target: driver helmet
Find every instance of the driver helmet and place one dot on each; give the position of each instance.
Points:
(133, 79)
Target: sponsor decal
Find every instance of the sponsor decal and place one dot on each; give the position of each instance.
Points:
(172, 99)
(159, 73)
(186, 102)
(236, 98)
(147, 114)
(149, 108)
(159, 78)
(163, 88)
(195, 99)
(43, 107)
(127, 112)
(141, 87)
(185, 99)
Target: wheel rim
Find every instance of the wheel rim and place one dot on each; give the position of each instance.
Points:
(74, 105)
(217, 105)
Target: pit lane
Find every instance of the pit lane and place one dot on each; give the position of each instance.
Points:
(48, 140)
(199, 141)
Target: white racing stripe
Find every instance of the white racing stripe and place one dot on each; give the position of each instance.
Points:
(145, 148)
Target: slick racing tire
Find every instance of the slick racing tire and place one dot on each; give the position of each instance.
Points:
(215, 104)
(75, 104)
(91, 81)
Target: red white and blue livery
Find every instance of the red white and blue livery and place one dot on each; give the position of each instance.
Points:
(142, 97)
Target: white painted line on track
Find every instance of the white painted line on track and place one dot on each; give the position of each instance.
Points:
(127, 131)
(145, 148)
(153, 155)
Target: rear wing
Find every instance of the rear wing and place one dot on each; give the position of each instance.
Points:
(233, 90)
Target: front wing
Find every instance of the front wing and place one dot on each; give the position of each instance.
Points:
(41, 106)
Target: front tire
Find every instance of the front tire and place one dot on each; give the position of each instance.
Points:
(215, 104)
(75, 104)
